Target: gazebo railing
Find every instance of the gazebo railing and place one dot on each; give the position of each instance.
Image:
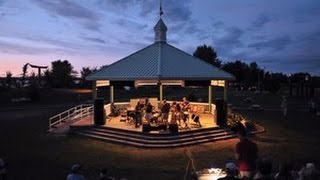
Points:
(71, 115)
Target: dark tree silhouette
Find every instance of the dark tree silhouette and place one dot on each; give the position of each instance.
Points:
(24, 74)
(238, 68)
(9, 80)
(208, 54)
(61, 74)
(85, 71)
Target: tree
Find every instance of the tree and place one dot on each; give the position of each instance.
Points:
(239, 69)
(9, 80)
(208, 54)
(61, 74)
(85, 71)
(24, 74)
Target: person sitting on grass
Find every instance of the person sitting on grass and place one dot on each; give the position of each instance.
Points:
(103, 175)
(264, 169)
(3, 170)
(75, 173)
(284, 172)
(231, 170)
(309, 172)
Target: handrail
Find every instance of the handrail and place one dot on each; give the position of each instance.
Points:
(72, 114)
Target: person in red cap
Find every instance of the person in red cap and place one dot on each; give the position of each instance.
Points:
(246, 152)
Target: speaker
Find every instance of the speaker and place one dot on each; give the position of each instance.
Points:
(162, 127)
(146, 127)
(221, 108)
(173, 128)
(98, 112)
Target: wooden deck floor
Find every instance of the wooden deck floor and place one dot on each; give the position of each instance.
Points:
(207, 121)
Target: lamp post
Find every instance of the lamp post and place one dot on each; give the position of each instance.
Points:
(306, 78)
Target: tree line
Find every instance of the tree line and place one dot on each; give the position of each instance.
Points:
(62, 74)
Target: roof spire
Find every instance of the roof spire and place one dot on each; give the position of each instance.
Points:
(161, 12)
(160, 28)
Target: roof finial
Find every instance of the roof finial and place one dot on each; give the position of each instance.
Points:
(161, 12)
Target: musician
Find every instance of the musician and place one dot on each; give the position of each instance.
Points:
(149, 109)
(185, 104)
(114, 110)
(173, 109)
(165, 108)
(138, 113)
(185, 110)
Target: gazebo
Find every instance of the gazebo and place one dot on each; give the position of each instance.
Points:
(160, 64)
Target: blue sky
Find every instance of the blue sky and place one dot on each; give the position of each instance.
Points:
(281, 36)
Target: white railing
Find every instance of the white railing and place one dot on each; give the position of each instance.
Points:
(71, 115)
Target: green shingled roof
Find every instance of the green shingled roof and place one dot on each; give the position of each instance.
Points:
(160, 61)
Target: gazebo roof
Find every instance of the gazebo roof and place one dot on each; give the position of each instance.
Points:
(160, 61)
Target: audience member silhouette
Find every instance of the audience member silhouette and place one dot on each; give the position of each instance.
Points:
(75, 173)
(246, 152)
(231, 170)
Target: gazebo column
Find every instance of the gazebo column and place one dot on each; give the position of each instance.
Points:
(94, 90)
(160, 92)
(225, 90)
(111, 94)
(210, 97)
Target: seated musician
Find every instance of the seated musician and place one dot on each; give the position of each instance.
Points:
(196, 119)
(114, 110)
(165, 108)
(149, 109)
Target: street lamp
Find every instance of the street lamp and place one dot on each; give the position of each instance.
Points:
(306, 78)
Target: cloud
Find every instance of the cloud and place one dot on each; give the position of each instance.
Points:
(261, 20)
(217, 24)
(73, 11)
(231, 37)
(276, 44)
(67, 9)
(175, 10)
(10, 48)
(125, 23)
(291, 64)
(96, 40)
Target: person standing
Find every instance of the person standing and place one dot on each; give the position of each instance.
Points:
(149, 109)
(138, 112)
(165, 109)
(284, 106)
(246, 152)
(185, 111)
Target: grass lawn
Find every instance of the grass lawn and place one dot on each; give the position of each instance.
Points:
(33, 154)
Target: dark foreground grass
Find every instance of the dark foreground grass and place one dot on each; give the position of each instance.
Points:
(33, 154)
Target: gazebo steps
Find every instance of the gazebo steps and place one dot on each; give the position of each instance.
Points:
(149, 140)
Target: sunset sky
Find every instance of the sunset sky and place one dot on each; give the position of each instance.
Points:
(280, 35)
